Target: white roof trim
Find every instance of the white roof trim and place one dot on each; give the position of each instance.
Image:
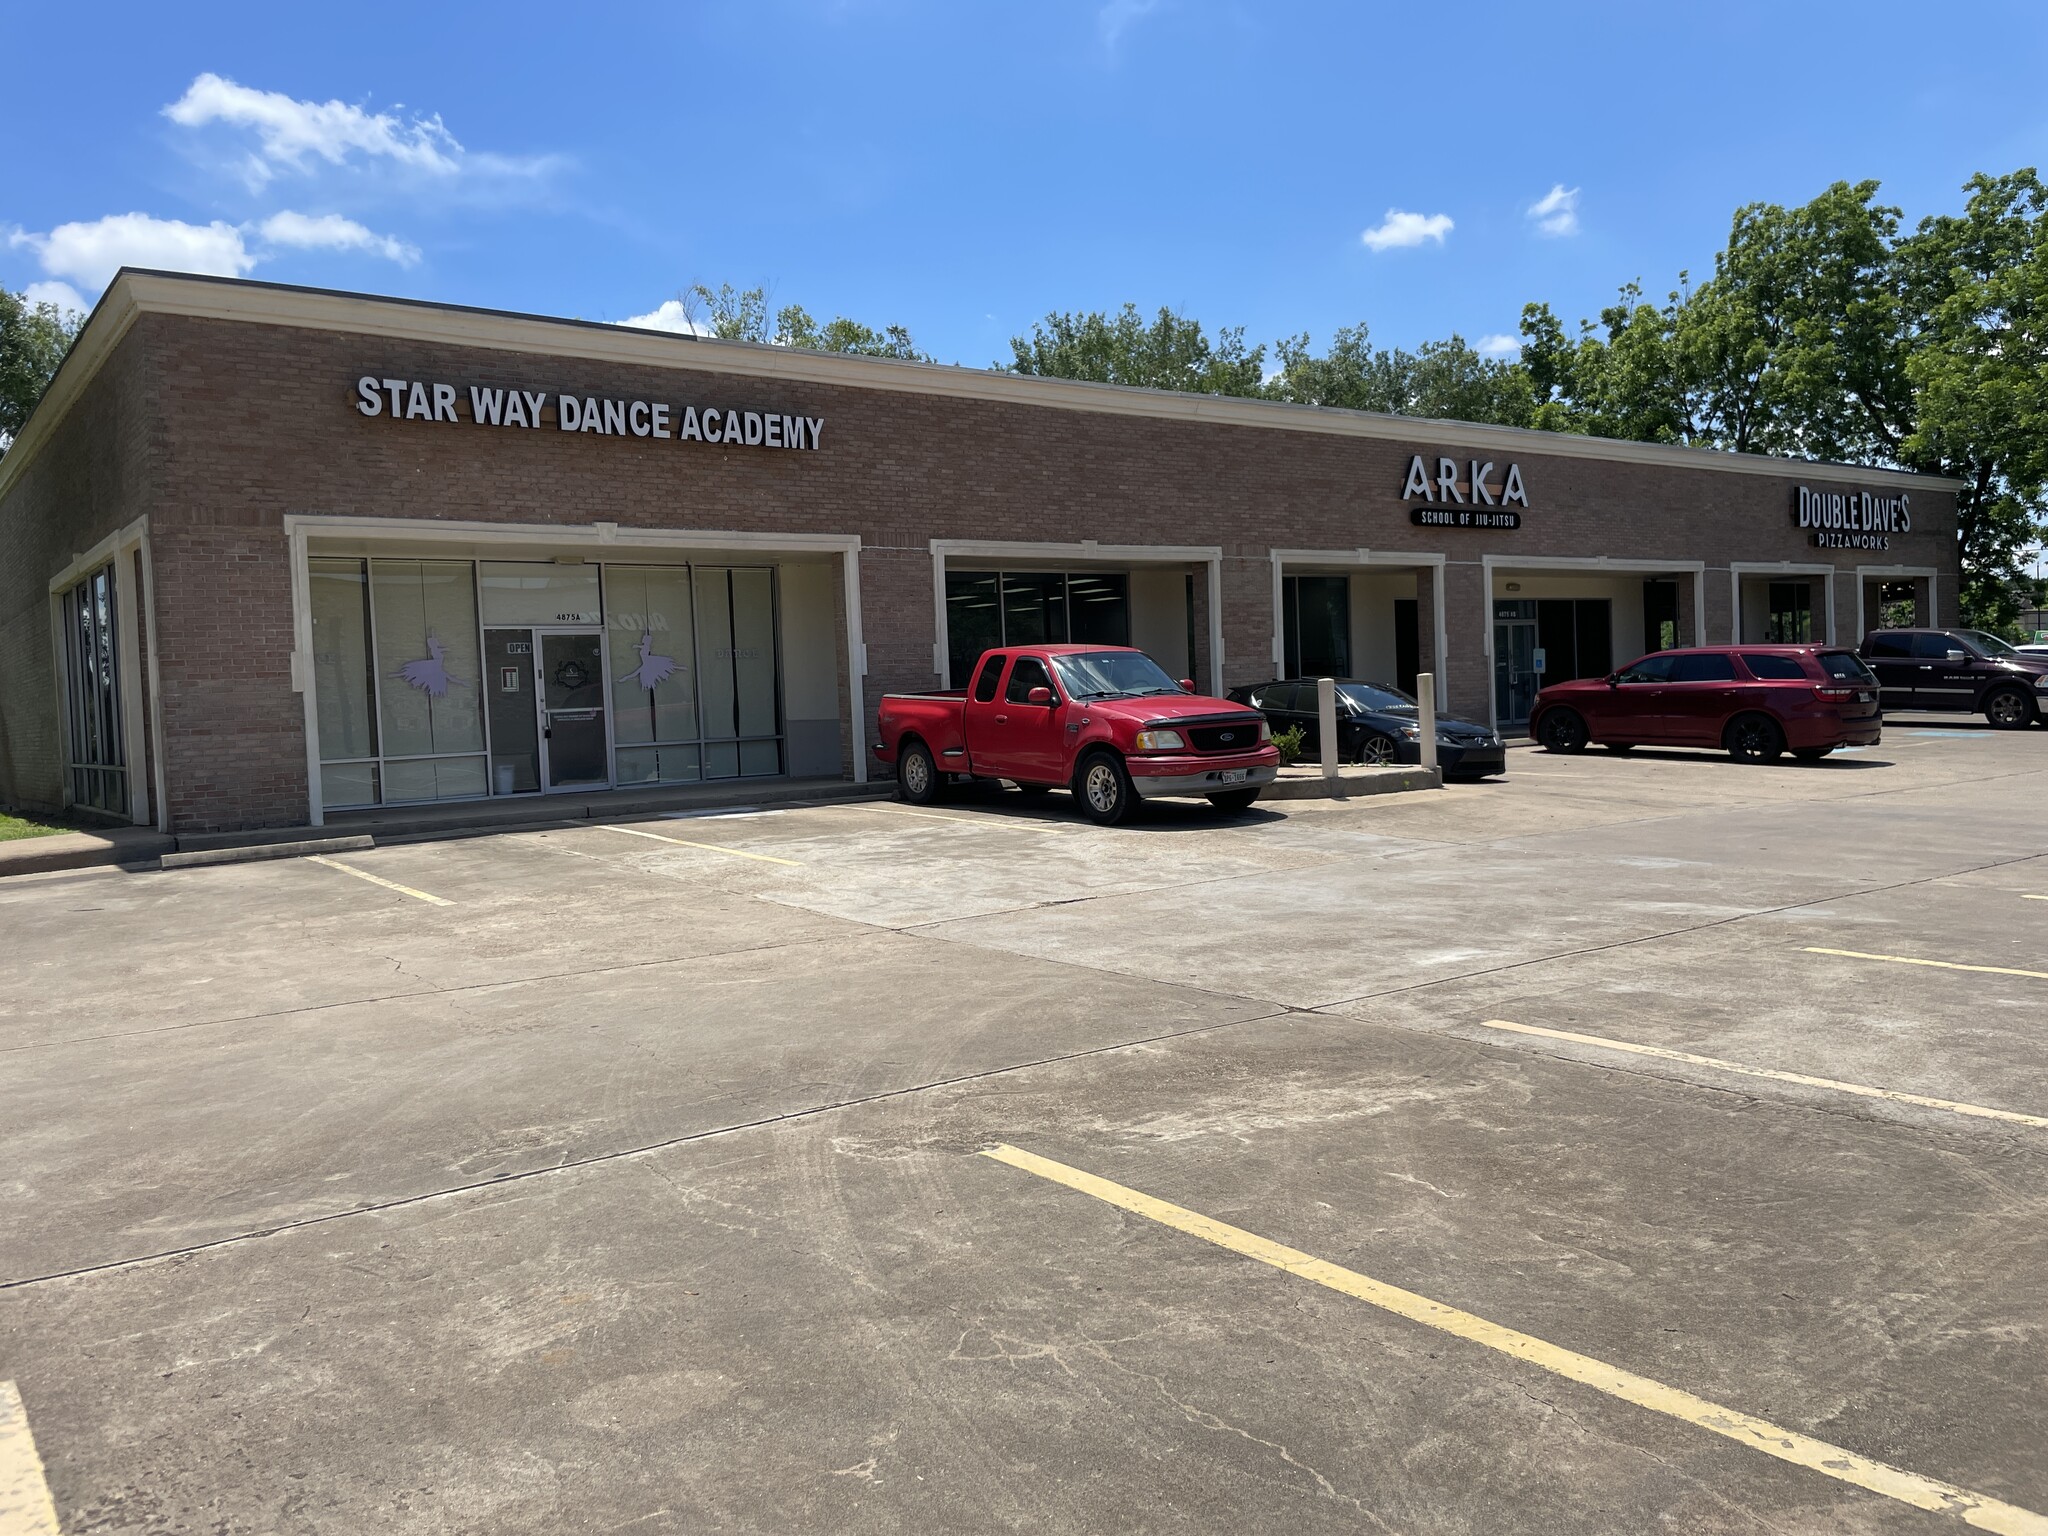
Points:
(237, 299)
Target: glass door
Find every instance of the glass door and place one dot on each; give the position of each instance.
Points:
(575, 744)
(1515, 678)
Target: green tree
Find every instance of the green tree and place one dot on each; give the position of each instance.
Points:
(33, 341)
(1172, 352)
(1977, 287)
(735, 314)
(1622, 377)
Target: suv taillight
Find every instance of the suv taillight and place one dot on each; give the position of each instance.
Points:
(1834, 693)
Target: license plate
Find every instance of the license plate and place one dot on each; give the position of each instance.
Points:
(1866, 698)
(1233, 775)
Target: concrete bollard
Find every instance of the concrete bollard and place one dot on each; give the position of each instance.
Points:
(1326, 723)
(1425, 716)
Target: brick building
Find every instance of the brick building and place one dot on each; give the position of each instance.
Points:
(269, 554)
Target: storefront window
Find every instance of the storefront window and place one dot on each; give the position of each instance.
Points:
(737, 687)
(1791, 613)
(654, 664)
(539, 592)
(343, 686)
(430, 710)
(987, 609)
(98, 757)
(1316, 618)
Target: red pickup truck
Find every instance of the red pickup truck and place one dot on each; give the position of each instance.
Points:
(1103, 721)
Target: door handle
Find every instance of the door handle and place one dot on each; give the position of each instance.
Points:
(1002, 719)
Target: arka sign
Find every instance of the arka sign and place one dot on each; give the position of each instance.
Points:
(1454, 502)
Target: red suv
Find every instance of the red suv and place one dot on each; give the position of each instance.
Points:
(1754, 700)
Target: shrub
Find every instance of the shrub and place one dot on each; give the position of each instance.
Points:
(1289, 742)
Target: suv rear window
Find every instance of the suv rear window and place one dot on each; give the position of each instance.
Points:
(1846, 666)
(1774, 669)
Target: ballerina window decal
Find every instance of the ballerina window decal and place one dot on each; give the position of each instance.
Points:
(653, 670)
(430, 673)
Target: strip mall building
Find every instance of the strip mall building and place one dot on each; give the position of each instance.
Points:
(271, 556)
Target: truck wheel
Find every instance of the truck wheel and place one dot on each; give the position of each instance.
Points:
(1233, 802)
(2009, 709)
(1104, 790)
(917, 776)
(1754, 739)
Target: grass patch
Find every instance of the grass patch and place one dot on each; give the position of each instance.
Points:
(12, 827)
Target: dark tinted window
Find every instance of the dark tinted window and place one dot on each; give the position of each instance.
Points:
(1372, 696)
(1775, 668)
(1274, 696)
(1029, 673)
(1935, 647)
(1702, 668)
(991, 675)
(1651, 669)
(1846, 666)
(1891, 645)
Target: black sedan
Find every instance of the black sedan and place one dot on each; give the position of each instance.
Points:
(1375, 724)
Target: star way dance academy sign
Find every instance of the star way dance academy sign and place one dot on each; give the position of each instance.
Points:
(1473, 501)
(474, 405)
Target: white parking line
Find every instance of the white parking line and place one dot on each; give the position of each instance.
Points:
(25, 1507)
(389, 885)
(996, 821)
(1861, 1090)
(684, 842)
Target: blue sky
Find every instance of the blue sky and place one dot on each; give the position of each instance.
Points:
(962, 168)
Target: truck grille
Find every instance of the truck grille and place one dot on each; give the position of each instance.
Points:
(1237, 736)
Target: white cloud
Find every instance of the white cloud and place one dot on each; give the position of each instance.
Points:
(332, 232)
(90, 254)
(1499, 345)
(1401, 230)
(1119, 16)
(288, 131)
(85, 256)
(297, 136)
(63, 295)
(1557, 211)
(669, 315)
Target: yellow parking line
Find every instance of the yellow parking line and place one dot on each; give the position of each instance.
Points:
(1986, 1514)
(1940, 965)
(2038, 1122)
(684, 842)
(25, 1507)
(2033, 898)
(389, 885)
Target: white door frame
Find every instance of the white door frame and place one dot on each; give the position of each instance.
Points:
(1022, 552)
(1595, 565)
(1367, 559)
(1870, 573)
(600, 540)
(1737, 569)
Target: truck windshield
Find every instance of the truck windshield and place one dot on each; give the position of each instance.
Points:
(1990, 645)
(1112, 675)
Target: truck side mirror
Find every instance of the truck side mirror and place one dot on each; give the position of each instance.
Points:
(1187, 685)
(1958, 656)
(1038, 696)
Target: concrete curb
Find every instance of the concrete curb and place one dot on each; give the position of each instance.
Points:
(1351, 783)
(129, 847)
(251, 852)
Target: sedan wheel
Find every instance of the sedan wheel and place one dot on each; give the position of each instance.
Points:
(1377, 751)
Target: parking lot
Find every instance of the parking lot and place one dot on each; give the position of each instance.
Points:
(1644, 1143)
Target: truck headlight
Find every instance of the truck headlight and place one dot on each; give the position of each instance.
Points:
(1266, 726)
(1160, 741)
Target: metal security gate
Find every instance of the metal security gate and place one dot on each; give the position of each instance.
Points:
(96, 755)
